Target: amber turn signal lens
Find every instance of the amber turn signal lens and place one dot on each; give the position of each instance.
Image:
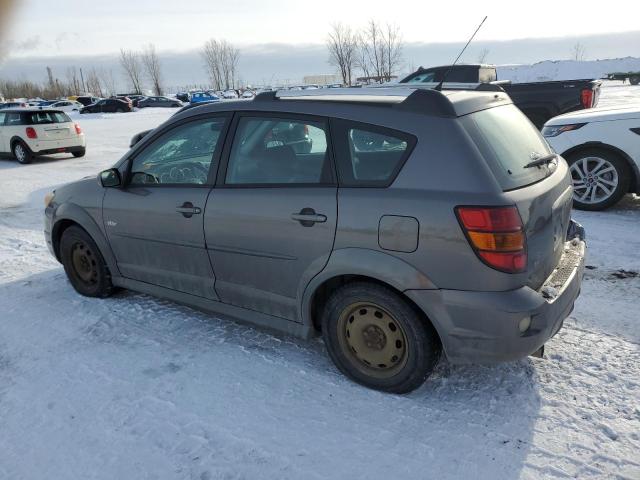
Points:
(497, 242)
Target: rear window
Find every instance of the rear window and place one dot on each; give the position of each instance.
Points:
(44, 117)
(508, 141)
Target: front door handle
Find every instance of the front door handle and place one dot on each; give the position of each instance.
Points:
(308, 217)
(188, 210)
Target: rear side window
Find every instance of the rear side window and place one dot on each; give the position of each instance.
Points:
(2, 115)
(279, 151)
(44, 117)
(370, 156)
(508, 141)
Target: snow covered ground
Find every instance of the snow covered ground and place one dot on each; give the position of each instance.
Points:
(133, 387)
(567, 69)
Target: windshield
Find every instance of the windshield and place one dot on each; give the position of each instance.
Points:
(508, 141)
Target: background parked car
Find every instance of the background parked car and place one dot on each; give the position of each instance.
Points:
(134, 97)
(66, 106)
(124, 99)
(248, 94)
(197, 97)
(108, 105)
(29, 132)
(602, 147)
(159, 102)
(86, 100)
(13, 105)
(229, 94)
(183, 97)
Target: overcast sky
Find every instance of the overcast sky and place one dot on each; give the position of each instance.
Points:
(84, 27)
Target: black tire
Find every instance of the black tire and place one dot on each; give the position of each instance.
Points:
(622, 171)
(79, 153)
(634, 80)
(84, 265)
(22, 152)
(421, 349)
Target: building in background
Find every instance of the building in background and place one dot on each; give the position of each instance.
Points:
(322, 79)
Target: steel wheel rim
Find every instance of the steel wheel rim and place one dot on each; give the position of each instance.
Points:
(19, 152)
(594, 179)
(372, 339)
(84, 263)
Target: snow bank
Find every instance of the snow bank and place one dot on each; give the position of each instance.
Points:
(566, 69)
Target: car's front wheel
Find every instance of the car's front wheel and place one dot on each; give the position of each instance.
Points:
(377, 339)
(22, 152)
(600, 178)
(83, 263)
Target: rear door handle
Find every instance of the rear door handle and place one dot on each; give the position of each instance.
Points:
(188, 210)
(308, 217)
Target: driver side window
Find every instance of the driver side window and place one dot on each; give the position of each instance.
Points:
(183, 155)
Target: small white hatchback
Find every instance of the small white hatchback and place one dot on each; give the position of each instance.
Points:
(29, 132)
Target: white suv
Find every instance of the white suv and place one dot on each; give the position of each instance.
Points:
(27, 133)
(602, 147)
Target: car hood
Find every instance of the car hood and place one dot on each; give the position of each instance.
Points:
(599, 114)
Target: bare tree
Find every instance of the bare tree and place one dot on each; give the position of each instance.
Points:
(221, 62)
(94, 85)
(152, 65)
(73, 81)
(130, 62)
(342, 43)
(482, 56)
(578, 52)
(108, 81)
(379, 53)
(211, 55)
(391, 51)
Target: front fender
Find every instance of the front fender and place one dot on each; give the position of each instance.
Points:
(77, 214)
(364, 262)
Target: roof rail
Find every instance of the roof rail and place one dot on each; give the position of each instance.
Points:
(489, 87)
(430, 102)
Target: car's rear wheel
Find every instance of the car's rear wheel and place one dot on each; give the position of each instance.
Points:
(377, 339)
(79, 153)
(83, 263)
(634, 80)
(22, 152)
(600, 178)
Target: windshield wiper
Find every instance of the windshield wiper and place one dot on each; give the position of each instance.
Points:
(542, 160)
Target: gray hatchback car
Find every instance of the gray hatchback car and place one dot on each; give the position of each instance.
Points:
(417, 222)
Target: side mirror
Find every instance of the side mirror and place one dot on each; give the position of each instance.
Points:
(110, 178)
(137, 137)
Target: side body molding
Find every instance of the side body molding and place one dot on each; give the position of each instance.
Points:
(366, 262)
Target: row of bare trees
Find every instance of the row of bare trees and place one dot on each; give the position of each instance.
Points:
(375, 51)
(221, 63)
(138, 64)
(99, 82)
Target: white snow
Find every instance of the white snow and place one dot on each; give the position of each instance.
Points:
(140, 388)
(566, 69)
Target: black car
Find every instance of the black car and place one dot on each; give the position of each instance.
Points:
(108, 105)
(87, 100)
(159, 102)
(183, 97)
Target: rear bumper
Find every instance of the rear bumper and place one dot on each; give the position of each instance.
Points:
(51, 151)
(483, 327)
(47, 147)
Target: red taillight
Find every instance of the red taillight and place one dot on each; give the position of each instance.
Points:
(31, 133)
(78, 129)
(586, 97)
(496, 235)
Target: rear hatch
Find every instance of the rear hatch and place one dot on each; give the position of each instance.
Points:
(52, 125)
(543, 194)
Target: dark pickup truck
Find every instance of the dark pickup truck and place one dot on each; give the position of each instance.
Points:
(539, 101)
